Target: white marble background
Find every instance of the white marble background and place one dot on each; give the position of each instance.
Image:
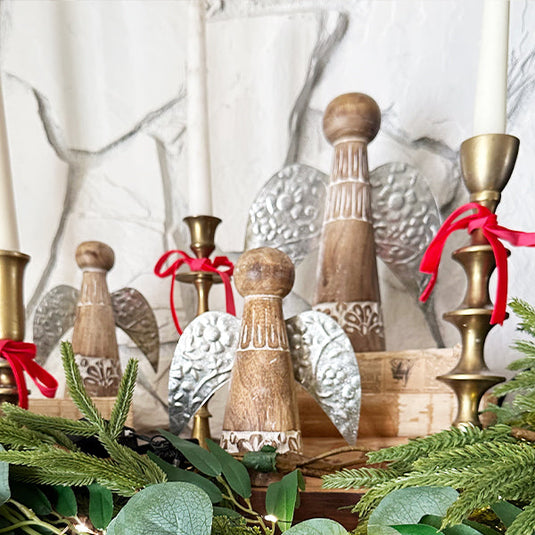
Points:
(96, 119)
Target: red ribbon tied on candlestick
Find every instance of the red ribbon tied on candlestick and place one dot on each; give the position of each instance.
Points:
(485, 220)
(20, 356)
(196, 264)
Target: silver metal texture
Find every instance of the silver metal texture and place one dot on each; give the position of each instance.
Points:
(405, 220)
(325, 364)
(56, 312)
(287, 214)
(53, 317)
(322, 355)
(134, 316)
(201, 364)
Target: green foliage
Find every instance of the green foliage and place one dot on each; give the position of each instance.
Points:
(65, 501)
(235, 472)
(282, 497)
(490, 467)
(165, 509)
(264, 460)
(100, 505)
(201, 459)
(40, 451)
(224, 525)
(317, 526)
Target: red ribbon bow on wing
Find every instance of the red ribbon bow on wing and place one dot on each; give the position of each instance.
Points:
(20, 356)
(485, 220)
(196, 264)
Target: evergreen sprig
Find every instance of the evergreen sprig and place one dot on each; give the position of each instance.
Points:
(40, 450)
(486, 465)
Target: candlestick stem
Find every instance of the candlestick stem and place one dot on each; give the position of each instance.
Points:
(202, 231)
(487, 162)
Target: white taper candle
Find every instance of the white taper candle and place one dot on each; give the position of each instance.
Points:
(9, 234)
(490, 110)
(199, 174)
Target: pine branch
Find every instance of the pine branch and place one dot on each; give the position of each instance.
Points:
(526, 313)
(450, 438)
(11, 434)
(76, 388)
(358, 478)
(524, 381)
(122, 404)
(40, 422)
(524, 522)
(528, 348)
(41, 476)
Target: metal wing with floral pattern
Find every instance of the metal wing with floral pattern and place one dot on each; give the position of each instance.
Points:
(325, 364)
(201, 364)
(323, 360)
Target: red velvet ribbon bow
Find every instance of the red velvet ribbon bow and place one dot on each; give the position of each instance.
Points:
(20, 356)
(485, 220)
(196, 264)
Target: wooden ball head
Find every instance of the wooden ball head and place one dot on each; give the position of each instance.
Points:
(93, 340)
(262, 407)
(347, 282)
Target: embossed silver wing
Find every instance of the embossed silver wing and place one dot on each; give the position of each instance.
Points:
(405, 220)
(287, 214)
(201, 364)
(53, 318)
(134, 316)
(325, 364)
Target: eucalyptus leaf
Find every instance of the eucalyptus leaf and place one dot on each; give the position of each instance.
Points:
(174, 473)
(317, 526)
(31, 496)
(484, 530)
(282, 498)
(65, 502)
(5, 493)
(201, 459)
(506, 512)
(100, 505)
(235, 472)
(466, 528)
(408, 506)
(174, 508)
(416, 529)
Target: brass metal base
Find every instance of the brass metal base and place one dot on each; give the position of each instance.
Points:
(202, 230)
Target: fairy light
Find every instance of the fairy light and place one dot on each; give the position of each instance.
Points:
(271, 518)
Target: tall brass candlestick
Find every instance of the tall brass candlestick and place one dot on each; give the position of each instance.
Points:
(202, 231)
(487, 162)
(12, 265)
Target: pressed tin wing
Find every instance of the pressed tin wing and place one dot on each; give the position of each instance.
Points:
(325, 364)
(53, 318)
(56, 313)
(134, 316)
(201, 364)
(405, 220)
(287, 214)
(323, 360)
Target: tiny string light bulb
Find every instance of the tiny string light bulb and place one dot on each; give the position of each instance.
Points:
(271, 518)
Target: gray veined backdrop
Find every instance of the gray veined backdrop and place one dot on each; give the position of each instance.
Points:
(96, 119)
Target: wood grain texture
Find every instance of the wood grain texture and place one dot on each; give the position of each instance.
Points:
(262, 400)
(94, 341)
(347, 286)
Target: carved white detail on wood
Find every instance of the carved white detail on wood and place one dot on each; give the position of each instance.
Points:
(349, 195)
(100, 375)
(240, 441)
(362, 317)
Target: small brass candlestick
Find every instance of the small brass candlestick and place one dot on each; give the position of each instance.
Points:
(487, 162)
(202, 231)
(12, 264)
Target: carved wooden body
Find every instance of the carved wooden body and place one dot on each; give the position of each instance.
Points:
(262, 406)
(94, 341)
(347, 283)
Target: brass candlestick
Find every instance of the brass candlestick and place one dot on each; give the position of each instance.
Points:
(487, 162)
(12, 264)
(202, 231)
